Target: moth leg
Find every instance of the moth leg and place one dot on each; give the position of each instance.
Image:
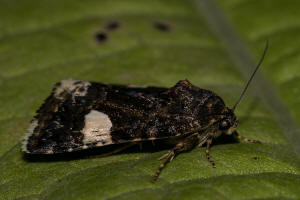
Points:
(208, 143)
(243, 139)
(165, 155)
(187, 144)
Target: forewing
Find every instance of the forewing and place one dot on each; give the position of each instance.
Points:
(79, 115)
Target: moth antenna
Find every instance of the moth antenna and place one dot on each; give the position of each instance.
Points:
(248, 83)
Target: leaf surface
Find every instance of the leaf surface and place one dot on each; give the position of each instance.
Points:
(155, 43)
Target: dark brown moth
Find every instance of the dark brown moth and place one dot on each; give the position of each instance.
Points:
(81, 115)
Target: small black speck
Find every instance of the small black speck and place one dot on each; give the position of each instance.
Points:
(112, 25)
(162, 26)
(101, 36)
(256, 158)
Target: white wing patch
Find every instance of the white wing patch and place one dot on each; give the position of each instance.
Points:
(97, 128)
(74, 87)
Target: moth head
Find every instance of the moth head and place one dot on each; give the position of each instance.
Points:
(229, 123)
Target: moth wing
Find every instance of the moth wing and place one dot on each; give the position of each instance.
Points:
(79, 115)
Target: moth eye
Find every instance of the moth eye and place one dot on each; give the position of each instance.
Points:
(224, 125)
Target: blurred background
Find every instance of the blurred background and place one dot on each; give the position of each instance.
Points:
(214, 44)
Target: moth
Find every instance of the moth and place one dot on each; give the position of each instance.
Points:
(81, 115)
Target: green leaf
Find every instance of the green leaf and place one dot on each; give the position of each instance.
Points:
(43, 42)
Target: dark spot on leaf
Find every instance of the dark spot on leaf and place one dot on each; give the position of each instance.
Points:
(255, 158)
(162, 26)
(101, 36)
(112, 26)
